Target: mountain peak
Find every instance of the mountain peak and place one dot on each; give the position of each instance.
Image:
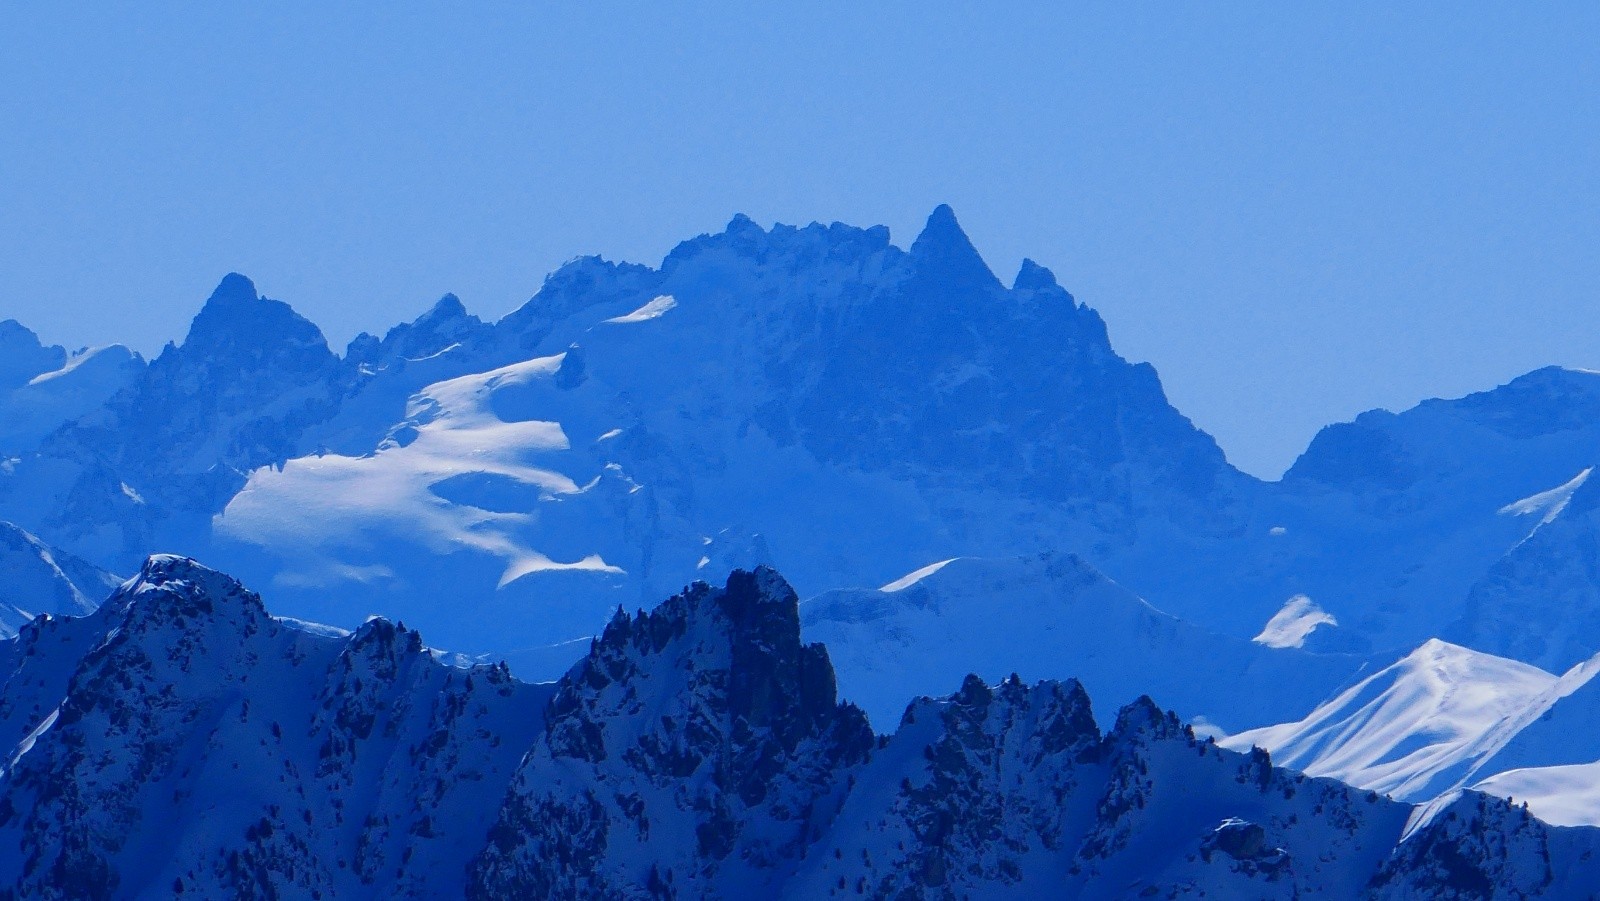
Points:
(236, 317)
(942, 231)
(448, 307)
(742, 224)
(1033, 277)
(178, 591)
(1542, 402)
(1143, 717)
(23, 355)
(943, 217)
(943, 252)
(447, 322)
(748, 632)
(234, 288)
(754, 609)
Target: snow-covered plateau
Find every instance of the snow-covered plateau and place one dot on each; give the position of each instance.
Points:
(958, 475)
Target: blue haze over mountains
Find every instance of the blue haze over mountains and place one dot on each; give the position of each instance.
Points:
(957, 475)
(816, 397)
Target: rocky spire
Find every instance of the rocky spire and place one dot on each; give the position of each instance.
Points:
(235, 318)
(1033, 277)
(944, 252)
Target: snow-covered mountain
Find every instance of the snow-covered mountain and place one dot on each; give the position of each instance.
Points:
(1445, 718)
(1057, 617)
(182, 741)
(1414, 729)
(1541, 601)
(814, 397)
(156, 461)
(851, 411)
(43, 388)
(36, 578)
(818, 395)
(1436, 504)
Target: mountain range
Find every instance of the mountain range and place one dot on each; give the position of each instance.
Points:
(697, 750)
(958, 475)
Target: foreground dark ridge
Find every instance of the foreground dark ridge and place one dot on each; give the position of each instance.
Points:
(181, 741)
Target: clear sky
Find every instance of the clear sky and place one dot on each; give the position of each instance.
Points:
(1295, 211)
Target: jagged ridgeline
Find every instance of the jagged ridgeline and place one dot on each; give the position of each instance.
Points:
(815, 398)
(180, 741)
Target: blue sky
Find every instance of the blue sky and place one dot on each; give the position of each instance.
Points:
(1295, 214)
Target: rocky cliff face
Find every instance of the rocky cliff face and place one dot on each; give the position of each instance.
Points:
(182, 741)
(700, 744)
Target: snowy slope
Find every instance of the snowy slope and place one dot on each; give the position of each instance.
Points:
(1559, 727)
(1413, 729)
(1054, 616)
(1445, 718)
(36, 579)
(1566, 795)
(49, 400)
(1541, 602)
(1548, 755)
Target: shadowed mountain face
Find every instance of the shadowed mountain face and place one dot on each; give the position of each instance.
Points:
(181, 740)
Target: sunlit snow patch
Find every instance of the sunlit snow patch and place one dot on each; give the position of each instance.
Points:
(475, 474)
(652, 310)
(1415, 727)
(73, 363)
(28, 742)
(911, 579)
(533, 562)
(1289, 627)
(1559, 795)
(324, 631)
(1547, 504)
